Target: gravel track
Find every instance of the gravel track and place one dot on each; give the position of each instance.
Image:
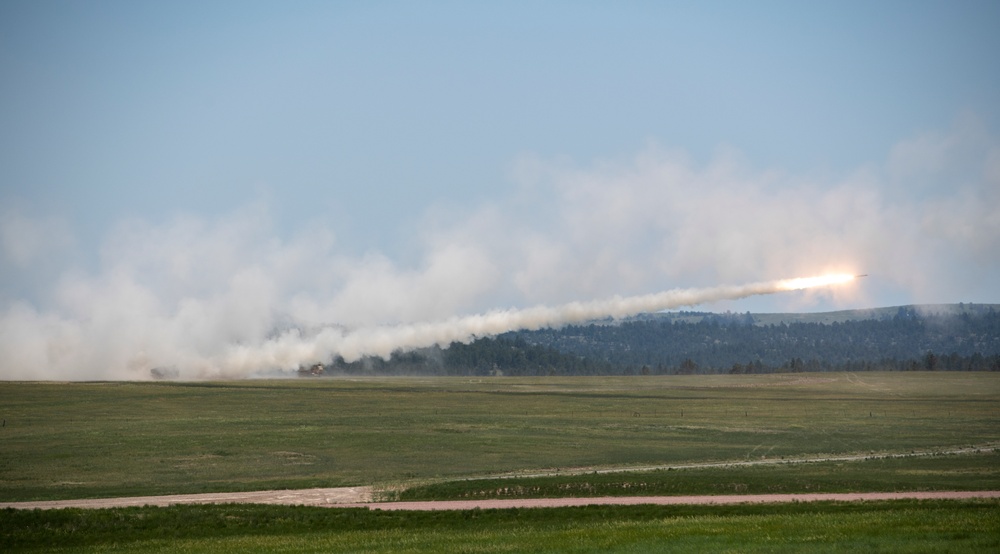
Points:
(360, 497)
(762, 461)
(303, 497)
(668, 500)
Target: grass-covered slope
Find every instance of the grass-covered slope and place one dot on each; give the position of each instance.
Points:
(74, 440)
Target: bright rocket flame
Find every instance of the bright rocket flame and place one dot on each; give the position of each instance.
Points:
(820, 281)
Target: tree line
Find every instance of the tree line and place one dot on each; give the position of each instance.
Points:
(714, 343)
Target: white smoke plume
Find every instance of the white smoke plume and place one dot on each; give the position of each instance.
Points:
(236, 293)
(291, 350)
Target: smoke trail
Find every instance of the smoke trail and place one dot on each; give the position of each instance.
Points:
(292, 349)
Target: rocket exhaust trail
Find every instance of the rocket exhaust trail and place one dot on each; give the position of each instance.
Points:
(291, 349)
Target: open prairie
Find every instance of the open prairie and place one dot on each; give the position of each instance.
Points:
(507, 438)
(74, 440)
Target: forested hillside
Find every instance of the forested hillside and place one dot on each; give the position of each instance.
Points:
(966, 339)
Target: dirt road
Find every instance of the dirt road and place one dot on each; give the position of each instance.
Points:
(667, 500)
(304, 497)
(762, 461)
(360, 497)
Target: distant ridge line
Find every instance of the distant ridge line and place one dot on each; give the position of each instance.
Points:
(835, 316)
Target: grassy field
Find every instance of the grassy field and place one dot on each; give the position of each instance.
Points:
(897, 526)
(454, 438)
(72, 440)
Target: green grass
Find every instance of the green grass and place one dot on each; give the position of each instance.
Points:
(951, 472)
(71, 440)
(74, 440)
(897, 526)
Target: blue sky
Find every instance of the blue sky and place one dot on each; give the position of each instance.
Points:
(305, 163)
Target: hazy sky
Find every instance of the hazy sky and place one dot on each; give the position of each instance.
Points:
(234, 167)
